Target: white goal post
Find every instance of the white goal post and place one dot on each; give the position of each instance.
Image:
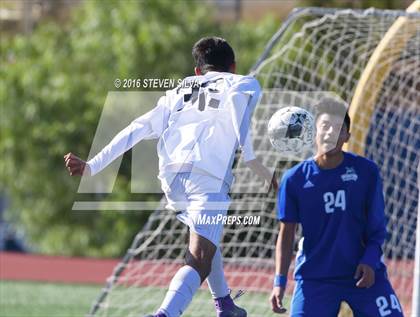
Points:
(415, 308)
(315, 49)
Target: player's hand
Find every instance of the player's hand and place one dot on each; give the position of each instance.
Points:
(276, 299)
(365, 276)
(75, 165)
(257, 167)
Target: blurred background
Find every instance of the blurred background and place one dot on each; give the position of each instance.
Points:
(58, 60)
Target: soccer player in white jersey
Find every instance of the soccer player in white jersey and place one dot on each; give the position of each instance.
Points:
(200, 125)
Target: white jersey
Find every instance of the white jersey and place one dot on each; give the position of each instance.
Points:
(200, 124)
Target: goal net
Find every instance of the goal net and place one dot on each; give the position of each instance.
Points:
(341, 52)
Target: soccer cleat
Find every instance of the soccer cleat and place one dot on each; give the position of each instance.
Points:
(225, 307)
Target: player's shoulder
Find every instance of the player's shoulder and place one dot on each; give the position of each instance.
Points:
(361, 161)
(244, 82)
(298, 171)
(231, 82)
(235, 81)
(364, 165)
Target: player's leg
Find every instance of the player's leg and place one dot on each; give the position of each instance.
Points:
(200, 254)
(216, 279)
(217, 193)
(315, 299)
(377, 301)
(225, 307)
(203, 242)
(188, 279)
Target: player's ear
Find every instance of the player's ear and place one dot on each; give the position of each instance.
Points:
(232, 68)
(197, 71)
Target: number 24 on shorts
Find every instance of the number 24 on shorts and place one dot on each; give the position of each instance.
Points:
(385, 307)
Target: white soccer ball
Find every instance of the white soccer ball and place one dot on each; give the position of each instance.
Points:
(292, 130)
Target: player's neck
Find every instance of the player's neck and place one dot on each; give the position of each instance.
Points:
(329, 160)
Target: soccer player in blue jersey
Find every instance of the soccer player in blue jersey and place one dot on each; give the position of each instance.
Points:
(337, 198)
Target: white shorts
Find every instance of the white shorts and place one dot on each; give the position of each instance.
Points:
(195, 197)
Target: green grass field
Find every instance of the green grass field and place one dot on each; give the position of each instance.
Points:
(30, 299)
(37, 299)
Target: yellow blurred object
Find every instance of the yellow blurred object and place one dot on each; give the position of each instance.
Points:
(374, 75)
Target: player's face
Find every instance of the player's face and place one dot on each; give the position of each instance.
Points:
(331, 134)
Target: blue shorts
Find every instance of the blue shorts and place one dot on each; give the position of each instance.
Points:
(322, 299)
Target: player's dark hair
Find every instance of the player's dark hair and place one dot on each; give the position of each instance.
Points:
(334, 107)
(213, 53)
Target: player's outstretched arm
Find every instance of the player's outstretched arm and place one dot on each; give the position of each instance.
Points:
(122, 142)
(75, 165)
(284, 253)
(148, 126)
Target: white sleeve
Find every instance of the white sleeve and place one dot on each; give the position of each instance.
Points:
(148, 126)
(240, 114)
(242, 99)
(248, 149)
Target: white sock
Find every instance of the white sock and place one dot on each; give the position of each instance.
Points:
(181, 290)
(216, 279)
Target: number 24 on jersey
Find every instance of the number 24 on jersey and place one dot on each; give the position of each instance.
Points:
(335, 201)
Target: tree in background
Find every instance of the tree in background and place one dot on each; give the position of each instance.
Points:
(54, 84)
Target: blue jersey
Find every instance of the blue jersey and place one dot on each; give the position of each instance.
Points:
(341, 211)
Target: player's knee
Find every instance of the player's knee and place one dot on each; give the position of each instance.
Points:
(200, 254)
(200, 262)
